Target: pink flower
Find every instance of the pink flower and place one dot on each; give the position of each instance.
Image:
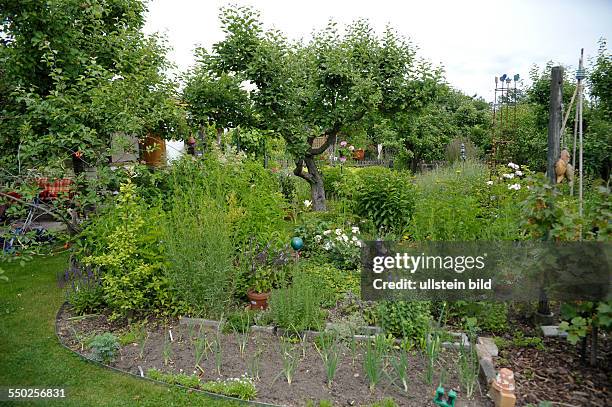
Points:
(342, 159)
(343, 144)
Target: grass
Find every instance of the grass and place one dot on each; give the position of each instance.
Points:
(31, 355)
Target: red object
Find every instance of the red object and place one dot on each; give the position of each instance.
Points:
(258, 300)
(52, 189)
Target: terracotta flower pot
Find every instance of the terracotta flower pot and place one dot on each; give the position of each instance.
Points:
(258, 300)
(359, 154)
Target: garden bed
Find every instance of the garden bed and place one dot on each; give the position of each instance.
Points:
(553, 371)
(350, 385)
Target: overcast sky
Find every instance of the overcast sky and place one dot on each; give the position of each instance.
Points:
(473, 40)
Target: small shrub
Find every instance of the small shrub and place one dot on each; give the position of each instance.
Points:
(408, 319)
(490, 316)
(386, 197)
(338, 283)
(298, 306)
(104, 347)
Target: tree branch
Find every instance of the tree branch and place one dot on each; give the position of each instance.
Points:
(299, 171)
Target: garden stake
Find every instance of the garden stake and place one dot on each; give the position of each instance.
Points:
(439, 399)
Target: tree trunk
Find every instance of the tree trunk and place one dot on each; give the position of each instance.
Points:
(314, 178)
(317, 192)
(219, 136)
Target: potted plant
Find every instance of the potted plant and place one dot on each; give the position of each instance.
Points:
(260, 288)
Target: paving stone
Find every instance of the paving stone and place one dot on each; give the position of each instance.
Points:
(264, 329)
(489, 345)
(552, 330)
(487, 370)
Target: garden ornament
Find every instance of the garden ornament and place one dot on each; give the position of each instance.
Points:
(297, 243)
(502, 389)
(563, 169)
(439, 398)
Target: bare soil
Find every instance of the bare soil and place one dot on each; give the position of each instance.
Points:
(350, 386)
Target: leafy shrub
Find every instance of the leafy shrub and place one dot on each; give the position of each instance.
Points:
(298, 306)
(490, 316)
(123, 246)
(242, 387)
(104, 347)
(408, 319)
(334, 281)
(384, 196)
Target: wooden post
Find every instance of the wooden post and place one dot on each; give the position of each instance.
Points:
(554, 121)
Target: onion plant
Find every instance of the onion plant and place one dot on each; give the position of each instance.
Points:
(374, 360)
(290, 358)
(327, 346)
(167, 349)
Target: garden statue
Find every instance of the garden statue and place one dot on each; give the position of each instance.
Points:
(502, 389)
(439, 398)
(563, 169)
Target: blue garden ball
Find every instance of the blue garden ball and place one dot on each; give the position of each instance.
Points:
(297, 243)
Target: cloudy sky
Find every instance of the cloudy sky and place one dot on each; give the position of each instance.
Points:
(473, 40)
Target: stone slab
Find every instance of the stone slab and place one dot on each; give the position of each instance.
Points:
(552, 330)
(489, 345)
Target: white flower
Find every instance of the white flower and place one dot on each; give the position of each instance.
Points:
(327, 232)
(519, 173)
(116, 77)
(351, 148)
(307, 203)
(318, 238)
(354, 239)
(345, 238)
(358, 243)
(339, 238)
(327, 246)
(509, 176)
(516, 187)
(489, 182)
(355, 229)
(513, 166)
(338, 232)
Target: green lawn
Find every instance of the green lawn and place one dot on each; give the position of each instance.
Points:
(30, 355)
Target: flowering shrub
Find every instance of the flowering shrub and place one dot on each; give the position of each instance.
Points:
(342, 245)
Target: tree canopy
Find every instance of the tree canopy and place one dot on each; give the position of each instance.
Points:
(320, 88)
(74, 73)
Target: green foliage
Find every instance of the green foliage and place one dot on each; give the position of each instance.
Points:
(76, 73)
(104, 347)
(579, 319)
(463, 202)
(407, 319)
(191, 381)
(242, 388)
(333, 82)
(328, 347)
(384, 196)
(334, 281)
(123, 244)
(490, 316)
(374, 360)
(198, 245)
(298, 306)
